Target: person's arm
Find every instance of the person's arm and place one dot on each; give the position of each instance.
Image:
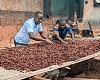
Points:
(71, 33)
(34, 37)
(30, 32)
(44, 37)
(58, 37)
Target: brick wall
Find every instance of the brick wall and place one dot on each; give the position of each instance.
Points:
(14, 17)
(22, 5)
(16, 21)
(16, 12)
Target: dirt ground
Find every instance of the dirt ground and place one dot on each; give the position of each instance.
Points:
(6, 32)
(92, 73)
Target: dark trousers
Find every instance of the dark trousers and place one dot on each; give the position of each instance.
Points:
(19, 44)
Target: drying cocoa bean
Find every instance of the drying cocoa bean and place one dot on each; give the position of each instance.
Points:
(37, 56)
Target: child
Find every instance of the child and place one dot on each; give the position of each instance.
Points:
(60, 30)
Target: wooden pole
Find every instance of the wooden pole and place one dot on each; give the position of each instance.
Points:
(91, 29)
(38, 78)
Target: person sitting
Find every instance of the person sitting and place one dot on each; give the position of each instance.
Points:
(75, 28)
(87, 33)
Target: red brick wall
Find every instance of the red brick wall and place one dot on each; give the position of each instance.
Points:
(22, 5)
(16, 12)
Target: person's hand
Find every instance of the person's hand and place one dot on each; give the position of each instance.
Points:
(48, 41)
(73, 41)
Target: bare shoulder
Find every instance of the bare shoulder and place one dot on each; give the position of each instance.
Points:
(67, 25)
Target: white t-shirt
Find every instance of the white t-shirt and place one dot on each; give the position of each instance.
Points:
(29, 26)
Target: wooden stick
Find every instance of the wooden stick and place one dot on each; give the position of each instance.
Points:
(38, 78)
(91, 29)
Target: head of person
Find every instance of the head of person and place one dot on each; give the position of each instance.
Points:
(62, 24)
(38, 17)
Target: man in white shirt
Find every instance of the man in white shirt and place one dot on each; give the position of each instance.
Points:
(29, 29)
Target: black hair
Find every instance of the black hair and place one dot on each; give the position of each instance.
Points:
(59, 20)
(37, 13)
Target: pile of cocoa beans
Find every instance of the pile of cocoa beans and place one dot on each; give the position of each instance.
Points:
(41, 55)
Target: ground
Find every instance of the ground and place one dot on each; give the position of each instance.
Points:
(6, 32)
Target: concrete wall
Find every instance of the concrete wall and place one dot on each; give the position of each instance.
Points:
(87, 7)
(91, 14)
